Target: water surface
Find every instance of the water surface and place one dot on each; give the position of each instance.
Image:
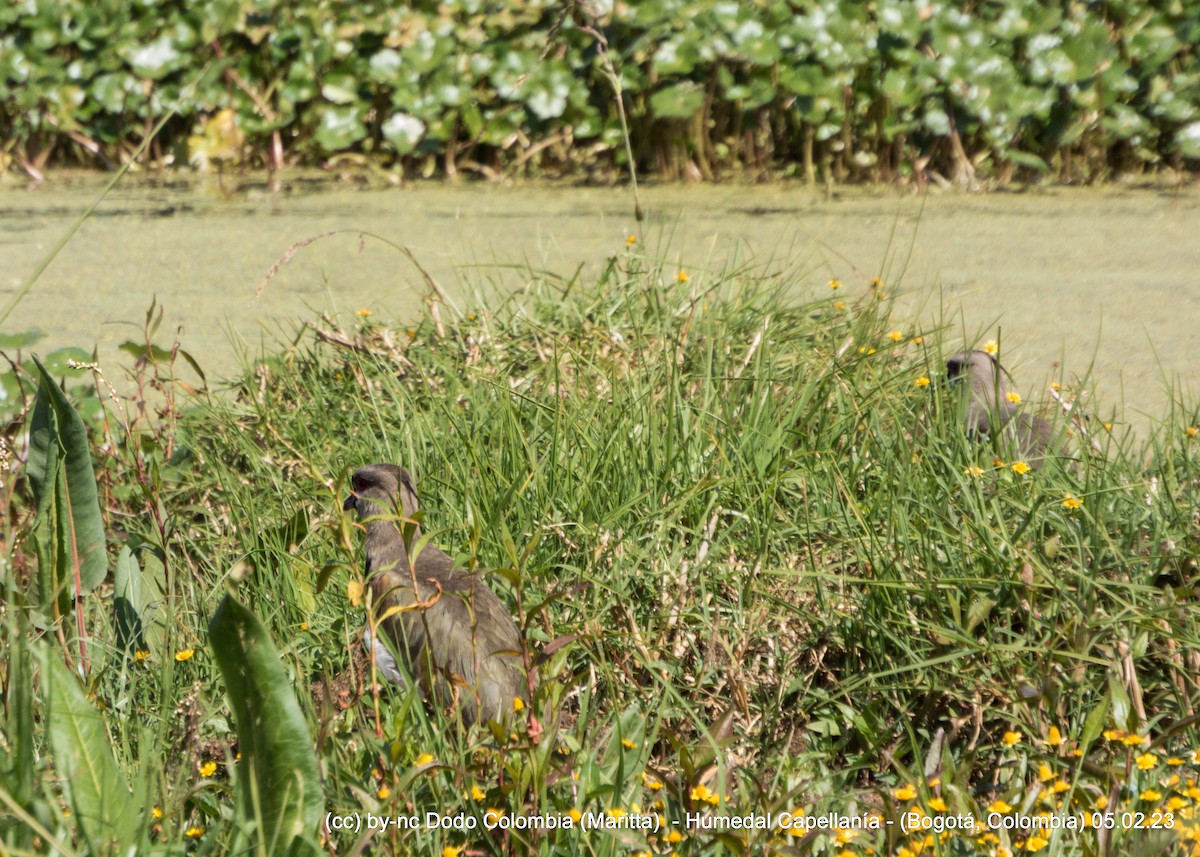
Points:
(1107, 279)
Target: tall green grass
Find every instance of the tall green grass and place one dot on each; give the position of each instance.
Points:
(763, 569)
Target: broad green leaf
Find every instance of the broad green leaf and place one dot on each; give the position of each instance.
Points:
(19, 340)
(58, 441)
(127, 603)
(340, 127)
(279, 788)
(96, 788)
(1094, 725)
(1027, 159)
(678, 101)
(1118, 700)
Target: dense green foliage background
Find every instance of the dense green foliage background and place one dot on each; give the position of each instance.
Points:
(832, 90)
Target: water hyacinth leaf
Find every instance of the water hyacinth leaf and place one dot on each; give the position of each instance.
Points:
(679, 101)
(156, 59)
(1027, 159)
(404, 132)
(57, 361)
(1188, 140)
(19, 340)
(60, 464)
(340, 128)
(96, 788)
(340, 89)
(279, 788)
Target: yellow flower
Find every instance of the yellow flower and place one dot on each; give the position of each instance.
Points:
(674, 836)
(974, 470)
(921, 382)
(840, 305)
(702, 793)
(493, 815)
(918, 340)
(477, 794)
(937, 804)
(471, 316)
(1131, 740)
(141, 655)
(1055, 386)
(451, 851)
(156, 811)
(1036, 843)
(1175, 761)
(1150, 795)
(1020, 468)
(1191, 431)
(876, 283)
(423, 759)
(682, 276)
(184, 655)
(990, 347)
(895, 336)
(1071, 503)
(630, 240)
(1013, 397)
(384, 793)
(1146, 761)
(1108, 426)
(616, 812)
(999, 806)
(1054, 737)
(574, 814)
(1045, 775)
(1011, 739)
(627, 744)
(194, 832)
(835, 284)
(652, 783)
(518, 704)
(364, 313)
(905, 792)
(208, 769)
(303, 626)
(1060, 787)
(1101, 802)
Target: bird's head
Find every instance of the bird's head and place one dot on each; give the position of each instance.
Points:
(964, 366)
(382, 489)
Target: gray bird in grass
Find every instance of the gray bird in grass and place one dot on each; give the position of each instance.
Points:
(452, 633)
(988, 412)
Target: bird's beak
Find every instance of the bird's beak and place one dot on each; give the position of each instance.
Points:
(349, 503)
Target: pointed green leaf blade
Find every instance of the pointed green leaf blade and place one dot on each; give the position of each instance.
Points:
(56, 430)
(83, 757)
(280, 788)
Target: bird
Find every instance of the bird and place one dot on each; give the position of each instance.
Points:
(990, 411)
(450, 631)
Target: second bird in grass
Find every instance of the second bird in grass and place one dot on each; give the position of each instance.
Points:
(990, 412)
(450, 631)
